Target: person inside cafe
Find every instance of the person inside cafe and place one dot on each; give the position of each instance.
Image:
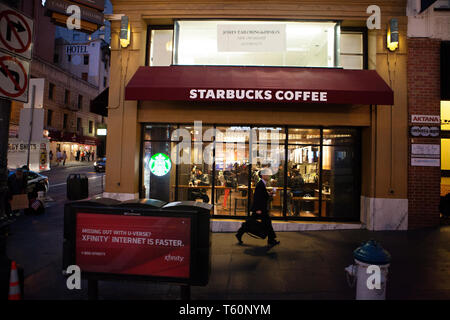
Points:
(199, 179)
(296, 185)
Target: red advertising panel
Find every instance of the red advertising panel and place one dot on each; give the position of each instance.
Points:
(150, 246)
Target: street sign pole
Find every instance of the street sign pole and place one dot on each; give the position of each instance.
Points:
(5, 113)
(33, 93)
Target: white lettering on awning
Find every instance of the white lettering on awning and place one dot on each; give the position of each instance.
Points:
(258, 95)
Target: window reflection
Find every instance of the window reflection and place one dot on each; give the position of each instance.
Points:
(303, 181)
(321, 178)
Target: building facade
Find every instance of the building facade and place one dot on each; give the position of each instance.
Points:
(312, 77)
(428, 35)
(69, 123)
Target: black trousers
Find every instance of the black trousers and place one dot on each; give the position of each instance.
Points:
(267, 222)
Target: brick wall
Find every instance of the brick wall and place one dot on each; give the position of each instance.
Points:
(423, 98)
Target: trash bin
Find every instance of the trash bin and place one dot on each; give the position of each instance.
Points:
(142, 203)
(368, 258)
(77, 187)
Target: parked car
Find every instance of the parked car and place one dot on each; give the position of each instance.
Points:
(99, 165)
(35, 182)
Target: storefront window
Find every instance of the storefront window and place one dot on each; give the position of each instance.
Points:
(318, 177)
(341, 167)
(232, 170)
(195, 176)
(158, 169)
(304, 173)
(260, 43)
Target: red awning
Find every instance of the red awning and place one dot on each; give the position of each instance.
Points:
(259, 84)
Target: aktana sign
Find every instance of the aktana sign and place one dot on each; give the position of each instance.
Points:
(258, 95)
(150, 246)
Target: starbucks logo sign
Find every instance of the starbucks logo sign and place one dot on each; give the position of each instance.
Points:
(160, 164)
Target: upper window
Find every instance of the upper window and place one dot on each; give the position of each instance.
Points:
(352, 50)
(51, 89)
(161, 45)
(261, 43)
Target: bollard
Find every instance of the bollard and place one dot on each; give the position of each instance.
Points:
(369, 271)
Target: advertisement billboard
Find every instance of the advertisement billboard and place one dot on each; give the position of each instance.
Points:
(139, 240)
(146, 245)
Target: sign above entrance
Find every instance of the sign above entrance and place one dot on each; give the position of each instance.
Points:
(258, 95)
(259, 84)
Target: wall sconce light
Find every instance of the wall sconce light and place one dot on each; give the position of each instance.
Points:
(124, 32)
(392, 35)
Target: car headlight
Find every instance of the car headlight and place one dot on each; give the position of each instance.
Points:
(95, 163)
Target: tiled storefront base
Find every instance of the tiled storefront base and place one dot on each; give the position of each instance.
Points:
(384, 214)
(218, 225)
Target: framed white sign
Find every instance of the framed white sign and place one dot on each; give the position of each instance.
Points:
(251, 38)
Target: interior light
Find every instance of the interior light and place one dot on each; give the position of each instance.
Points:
(169, 46)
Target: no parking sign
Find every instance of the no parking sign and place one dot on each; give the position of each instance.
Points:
(16, 42)
(14, 73)
(16, 32)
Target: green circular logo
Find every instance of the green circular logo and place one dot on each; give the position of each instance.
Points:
(160, 164)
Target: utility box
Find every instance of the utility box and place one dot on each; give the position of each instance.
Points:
(143, 239)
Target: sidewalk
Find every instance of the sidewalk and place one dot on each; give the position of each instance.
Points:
(70, 164)
(306, 265)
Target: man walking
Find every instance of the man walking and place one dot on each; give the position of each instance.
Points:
(259, 209)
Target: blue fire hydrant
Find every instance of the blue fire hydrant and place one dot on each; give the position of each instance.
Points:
(369, 271)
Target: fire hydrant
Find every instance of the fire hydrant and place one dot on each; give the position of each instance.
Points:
(369, 271)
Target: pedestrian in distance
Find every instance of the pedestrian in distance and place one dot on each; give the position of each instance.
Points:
(260, 210)
(58, 156)
(64, 157)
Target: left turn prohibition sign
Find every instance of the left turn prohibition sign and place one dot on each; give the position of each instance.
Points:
(14, 78)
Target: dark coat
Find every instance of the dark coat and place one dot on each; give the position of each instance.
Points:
(15, 185)
(260, 198)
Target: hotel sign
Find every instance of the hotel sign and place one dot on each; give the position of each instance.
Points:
(76, 49)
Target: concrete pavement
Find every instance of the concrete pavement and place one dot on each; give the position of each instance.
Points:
(306, 265)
